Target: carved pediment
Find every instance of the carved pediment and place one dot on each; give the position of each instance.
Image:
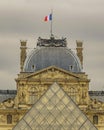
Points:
(53, 73)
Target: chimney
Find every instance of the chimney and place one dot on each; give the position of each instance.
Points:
(79, 50)
(22, 54)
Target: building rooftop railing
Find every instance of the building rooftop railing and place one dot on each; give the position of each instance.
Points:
(96, 93)
(8, 91)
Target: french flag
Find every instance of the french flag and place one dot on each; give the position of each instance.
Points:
(48, 18)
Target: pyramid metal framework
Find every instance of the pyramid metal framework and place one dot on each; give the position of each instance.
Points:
(55, 110)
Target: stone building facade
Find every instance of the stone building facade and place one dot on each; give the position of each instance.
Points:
(51, 65)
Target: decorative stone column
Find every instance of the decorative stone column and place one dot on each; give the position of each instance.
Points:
(22, 54)
(79, 51)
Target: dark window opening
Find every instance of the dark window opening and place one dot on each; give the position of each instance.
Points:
(9, 119)
(33, 66)
(95, 119)
(70, 67)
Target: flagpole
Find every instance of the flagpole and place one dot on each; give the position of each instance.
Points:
(51, 23)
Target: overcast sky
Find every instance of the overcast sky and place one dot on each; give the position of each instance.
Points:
(73, 19)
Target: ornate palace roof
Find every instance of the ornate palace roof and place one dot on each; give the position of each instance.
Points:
(51, 52)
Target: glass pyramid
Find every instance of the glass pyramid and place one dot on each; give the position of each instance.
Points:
(55, 110)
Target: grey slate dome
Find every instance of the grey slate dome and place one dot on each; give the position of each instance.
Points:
(52, 52)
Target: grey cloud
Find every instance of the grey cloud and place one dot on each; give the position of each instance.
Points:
(74, 19)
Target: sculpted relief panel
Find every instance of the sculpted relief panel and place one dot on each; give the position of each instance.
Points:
(52, 74)
(35, 91)
(2, 119)
(9, 103)
(22, 93)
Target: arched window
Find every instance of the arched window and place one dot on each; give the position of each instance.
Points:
(95, 119)
(9, 119)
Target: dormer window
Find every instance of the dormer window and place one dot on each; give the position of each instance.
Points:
(70, 67)
(33, 67)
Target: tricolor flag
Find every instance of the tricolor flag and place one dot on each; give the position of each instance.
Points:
(48, 18)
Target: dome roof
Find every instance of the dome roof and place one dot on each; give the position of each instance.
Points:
(43, 57)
